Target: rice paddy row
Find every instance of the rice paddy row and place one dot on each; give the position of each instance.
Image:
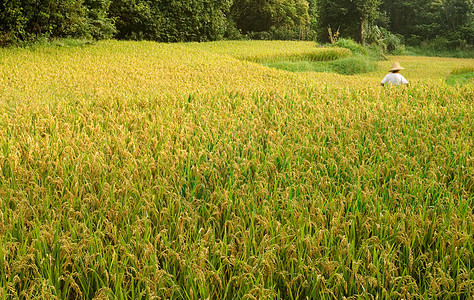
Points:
(141, 170)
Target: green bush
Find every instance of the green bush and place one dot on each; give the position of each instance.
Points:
(28, 22)
(282, 19)
(372, 52)
(427, 49)
(386, 41)
(352, 65)
(355, 47)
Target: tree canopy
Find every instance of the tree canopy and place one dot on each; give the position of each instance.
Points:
(451, 21)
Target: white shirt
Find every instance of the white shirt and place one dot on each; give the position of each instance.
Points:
(394, 78)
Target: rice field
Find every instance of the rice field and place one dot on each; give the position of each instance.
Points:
(139, 170)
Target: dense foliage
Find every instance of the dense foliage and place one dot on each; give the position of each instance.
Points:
(171, 20)
(264, 16)
(351, 17)
(449, 23)
(27, 20)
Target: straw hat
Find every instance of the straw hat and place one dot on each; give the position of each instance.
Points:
(396, 67)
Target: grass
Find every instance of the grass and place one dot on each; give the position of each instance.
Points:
(353, 65)
(346, 57)
(439, 51)
(465, 78)
(299, 66)
(185, 171)
(347, 66)
(461, 76)
(258, 51)
(283, 55)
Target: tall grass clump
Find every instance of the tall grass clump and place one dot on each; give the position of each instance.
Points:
(326, 54)
(353, 65)
(460, 76)
(374, 52)
(439, 47)
(315, 55)
(353, 46)
(345, 57)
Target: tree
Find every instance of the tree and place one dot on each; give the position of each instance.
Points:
(337, 15)
(29, 19)
(263, 15)
(135, 19)
(313, 14)
(424, 20)
(351, 17)
(367, 12)
(457, 19)
(195, 20)
(12, 21)
(170, 20)
(100, 25)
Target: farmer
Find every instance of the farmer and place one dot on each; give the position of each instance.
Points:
(394, 77)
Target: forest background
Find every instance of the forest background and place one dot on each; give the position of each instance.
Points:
(441, 24)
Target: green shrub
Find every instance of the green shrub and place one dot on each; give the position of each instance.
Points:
(353, 65)
(355, 47)
(385, 41)
(429, 50)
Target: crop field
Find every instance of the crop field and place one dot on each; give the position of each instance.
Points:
(139, 170)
